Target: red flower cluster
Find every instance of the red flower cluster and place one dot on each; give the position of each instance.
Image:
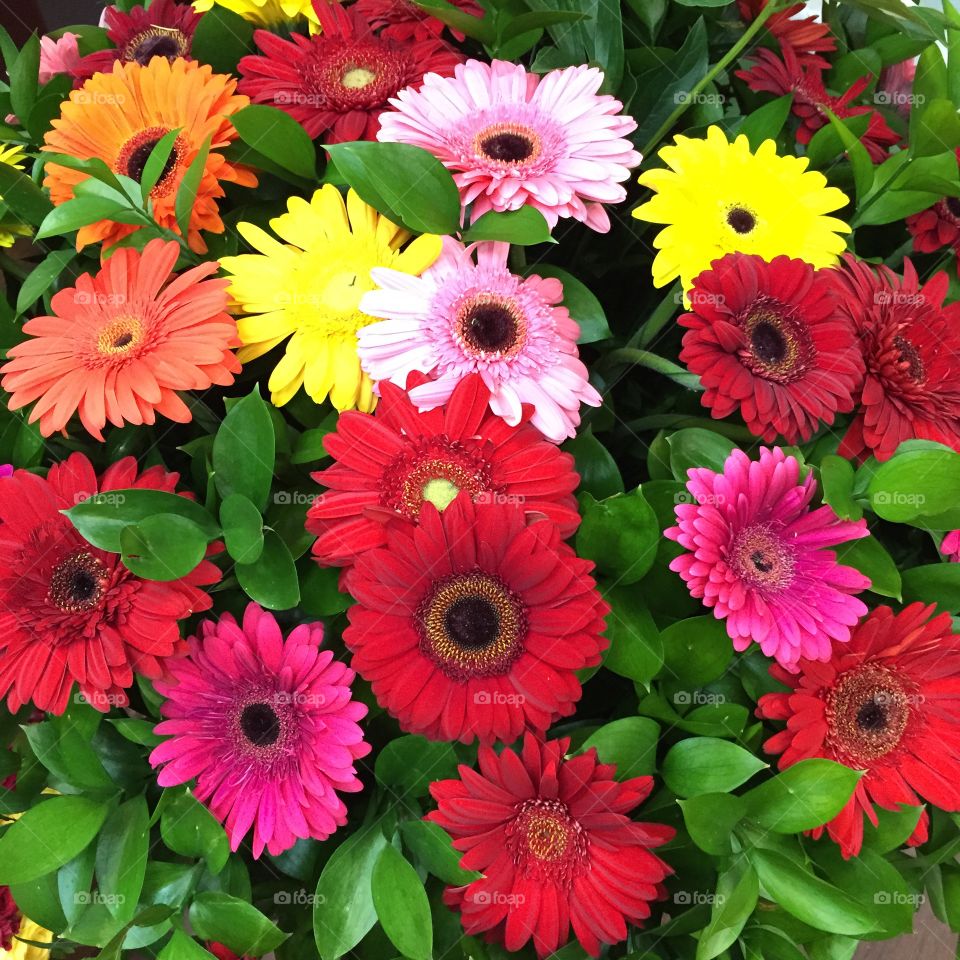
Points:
(403, 20)
(807, 37)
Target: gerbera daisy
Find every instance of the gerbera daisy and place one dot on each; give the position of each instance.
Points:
(387, 466)
(811, 101)
(936, 227)
(552, 837)
(266, 727)
(223, 953)
(122, 343)
(16, 928)
(71, 613)
(139, 35)
(266, 13)
(473, 624)
(807, 37)
(13, 155)
(911, 347)
(404, 21)
(339, 81)
(950, 546)
(514, 139)
(119, 117)
(61, 55)
(469, 315)
(768, 339)
(757, 557)
(310, 286)
(717, 197)
(888, 702)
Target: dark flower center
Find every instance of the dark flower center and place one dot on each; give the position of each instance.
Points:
(260, 724)
(471, 625)
(741, 220)
(761, 558)
(547, 842)
(508, 143)
(78, 582)
(133, 158)
(953, 205)
(490, 324)
(910, 358)
(139, 157)
(168, 42)
(872, 717)
(780, 345)
(769, 344)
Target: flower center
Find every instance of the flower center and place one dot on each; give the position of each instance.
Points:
(546, 842)
(156, 41)
(868, 710)
(471, 625)
(780, 347)
(759, 557)
(120, 337)
(910, 359)
(508, 143)
(488, 324)
(345, 75)
(953, 205)
(135, 153)
(260, 724)
(358, 78)
(78, 582)
(741, 220)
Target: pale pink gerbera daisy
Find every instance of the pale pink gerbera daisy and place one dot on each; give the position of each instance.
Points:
(512, 138)
(464, 316)
(758, 557)
(267, 727)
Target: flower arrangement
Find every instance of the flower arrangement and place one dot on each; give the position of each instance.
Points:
(479, 478)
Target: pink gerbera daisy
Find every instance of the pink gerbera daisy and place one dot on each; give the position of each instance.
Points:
(266, 726)
(950, 546)
(758, 559)
(467, 316)
(512, 138)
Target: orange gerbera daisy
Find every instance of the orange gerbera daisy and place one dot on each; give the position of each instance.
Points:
(119, 117)
(123, 342)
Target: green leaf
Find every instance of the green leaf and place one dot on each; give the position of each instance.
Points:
(136, 730)
(918, 484)
(826, 145)
(737, 890)
(157, 160)
(710, 819)
(271, 580)
(187, 191)
(162, 547)
(708, 765)
(525, 22)
(322, 596)
(121, 860)
(402, 906)
(893, 829)
(523, 227)
(405, 183)
(23, 196)
(66, 752)
(180, 946)
(810, 899)
(188, 828)
(619, 534)
(894, 205)
(24, 78)
(630, 743)
(344, 910)
(869, 557)
(599, 474)
(696, 447)
(83, 210)
(934, 127)
(235, 923)
(433, 849)
(579, 300)
(766, 122)
(636, 650)
(101, 517)
(244, 451)
(43, 274)
(696, 651)
(408, 765)
(47, 836)
(804, 796)
(242, 528)
(937, 583)
(478, 28)
(836, 478)
(278, 137)
(222, 37)
(40, 901)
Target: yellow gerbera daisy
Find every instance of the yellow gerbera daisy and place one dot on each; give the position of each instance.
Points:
(311, 287)
(13, 155)
(717, 198)
(25, 951)
(265, 13)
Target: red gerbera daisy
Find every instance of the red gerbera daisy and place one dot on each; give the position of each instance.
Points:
(340, 80)
(402, 20)
(911, 347)
(888, 702)
(473, 624)
(9, 919)
(811, 101)
(806, 36)
(165, 30)
(768, 338)
(390, 464)
(936, 227)
(70, 613)
(552, 837)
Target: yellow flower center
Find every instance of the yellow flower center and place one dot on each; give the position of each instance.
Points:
(120, 337)
(440, 491)
(358, 78)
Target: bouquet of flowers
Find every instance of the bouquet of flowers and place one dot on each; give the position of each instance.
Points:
(481, 479)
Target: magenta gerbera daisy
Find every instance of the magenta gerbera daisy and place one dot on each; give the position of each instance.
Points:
(513, 139)
(757, 557)
(266, 726)
(469, 314)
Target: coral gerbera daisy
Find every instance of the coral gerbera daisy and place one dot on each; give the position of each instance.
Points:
(555, 844)
(514, 139)
(767, 338)
(122, 343)
(473, 624)
(266, 13)
(268, 728)
(911, 347)
(950, 546)
(310, 286)
(404, 20)
(717, 197)
(339, 81)
(389, 465)
(71, 613)
(20, 937)
(119, 117)
(469, 315)
(887, 702)
(165, 30)
(757, 557)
